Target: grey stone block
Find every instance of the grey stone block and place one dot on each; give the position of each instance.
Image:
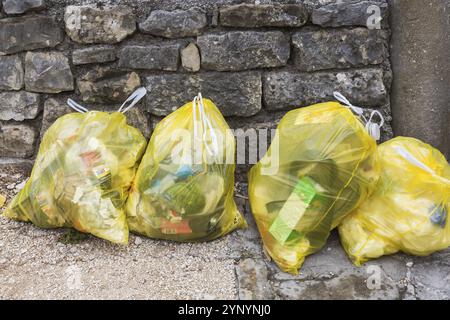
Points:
(90, 24)
(361, 13)
(288, 90)
(53, 109)
(161, 56)
(264, 15)
(190, 58)
(19, 105)
(47, 72)
(11, 73)
(22, 6)
(105, 85)
(338, 49)
(28, 33)
(235, 94)
(17, 140)
(174, 24)
(241, 50)
(95, 54)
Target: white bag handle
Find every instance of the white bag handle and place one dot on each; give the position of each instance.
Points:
(134, 98)
(416, 162)
(374, 129)
(76, 106)
(206, 123)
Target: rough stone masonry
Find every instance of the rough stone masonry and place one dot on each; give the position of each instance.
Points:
(255, 61)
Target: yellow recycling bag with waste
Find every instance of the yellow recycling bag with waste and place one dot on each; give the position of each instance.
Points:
(408, 211)
(2, 200)
(82, 174)
(184, 186)
(320, 166)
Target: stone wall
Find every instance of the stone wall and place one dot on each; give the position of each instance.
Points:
(255, 61)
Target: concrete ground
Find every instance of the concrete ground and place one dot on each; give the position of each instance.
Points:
(43, 264)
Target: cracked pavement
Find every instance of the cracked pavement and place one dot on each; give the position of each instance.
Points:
(36, 264)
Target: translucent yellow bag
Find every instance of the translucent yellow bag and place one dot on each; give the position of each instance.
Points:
(408, 211)
(184, 186)
(82, 174)
(320, 166)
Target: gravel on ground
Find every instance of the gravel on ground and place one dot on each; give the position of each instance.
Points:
(62, 264)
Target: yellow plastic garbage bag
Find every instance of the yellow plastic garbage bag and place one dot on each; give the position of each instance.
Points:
(184, 186)
(82, 174)
(409, 209)
(2, 200)
(320, 166)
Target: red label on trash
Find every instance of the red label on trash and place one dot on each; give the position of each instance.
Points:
(181, 227)
(90, 158)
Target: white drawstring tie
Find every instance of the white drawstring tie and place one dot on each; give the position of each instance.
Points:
(373, 128)
(133, 99)
(77, 107)
(206, 123)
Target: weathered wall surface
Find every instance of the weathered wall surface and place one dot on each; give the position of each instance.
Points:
(421, 65)
(255, 61)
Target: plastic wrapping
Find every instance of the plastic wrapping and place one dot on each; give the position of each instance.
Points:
(320, 166)
(184, 187)
(2, 200)
(82, 175)
(409, 209)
